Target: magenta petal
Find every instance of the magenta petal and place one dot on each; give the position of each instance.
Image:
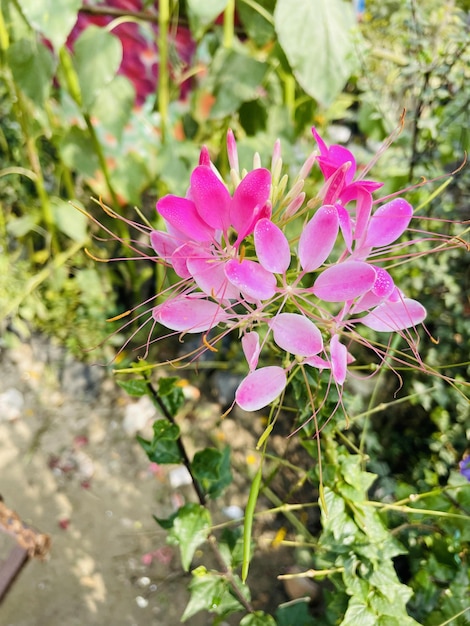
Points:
(344, 281)
(251, 349)
(252, 192)
(211, 198)
(318, 238)
(388, 223)
(260, 388)
(339, 360)
(363, 211)
(182, 214)
(272, 247)
(395, 316)
(189, 314)
(251, 279)
(296, 334)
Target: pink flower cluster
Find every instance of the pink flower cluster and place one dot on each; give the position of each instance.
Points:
(302, 275)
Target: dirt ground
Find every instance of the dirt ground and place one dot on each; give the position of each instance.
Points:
(70, 466)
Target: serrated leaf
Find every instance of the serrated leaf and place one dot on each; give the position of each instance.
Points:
(211, 468)
(316, 39)
(97, 57)
(191, 527)
(359, 614)
(134, 387)
(32, 66)
(164, 446)
(212, 592)
(52, 18)
(260, 618)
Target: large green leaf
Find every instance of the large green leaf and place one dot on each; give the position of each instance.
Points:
(69, 220)
(98, 55)
(191, 527)
(32, 66)
(52, 18)
(316, 38)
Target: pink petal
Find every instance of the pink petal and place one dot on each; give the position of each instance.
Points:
(163, 244)
(345, 225)
(344, 281)
(251, 349)
(335, 184)
(318, 238)
(251, 279)
(182, 214)
(296, 334)
(179, 258)
(383, 285)
(272, 247)
(190, 314)
(339, 360)
(260, 388)
(395, 316)
(363, 211)
(210, 277)
(232, 151)
(388, 223)
(211, 198)
(252, 192)
(318, 362)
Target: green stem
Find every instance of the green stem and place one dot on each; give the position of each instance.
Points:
(163, 88)
(229, 24)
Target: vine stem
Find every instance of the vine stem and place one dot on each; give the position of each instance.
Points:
(211, 539)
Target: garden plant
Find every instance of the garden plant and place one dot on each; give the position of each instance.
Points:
(282, 194)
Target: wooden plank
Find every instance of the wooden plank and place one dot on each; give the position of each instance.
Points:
(11, 567)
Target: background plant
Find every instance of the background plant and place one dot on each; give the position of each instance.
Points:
(75, 122)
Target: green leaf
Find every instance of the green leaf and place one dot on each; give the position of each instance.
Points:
(134, 387)
(77, 154)
(260, 618)
(316, 39)
(97, 58)
(211, 468)
(32, 66)
(164, 446)
(191, 527)
(257, 25)
(171, 394)
(212, 592)
(52, 18)
(69, 220)
(202, 13)
(113, 105)
(359, 614)
(294, 613)
(238, 78)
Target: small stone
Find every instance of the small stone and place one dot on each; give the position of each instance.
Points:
(141, 602)
(11, 405)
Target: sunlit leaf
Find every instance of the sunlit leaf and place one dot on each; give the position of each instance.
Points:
(191, 527)
(316, 38)
(52, 18)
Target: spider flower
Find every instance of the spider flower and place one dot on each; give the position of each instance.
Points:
(292, 280)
